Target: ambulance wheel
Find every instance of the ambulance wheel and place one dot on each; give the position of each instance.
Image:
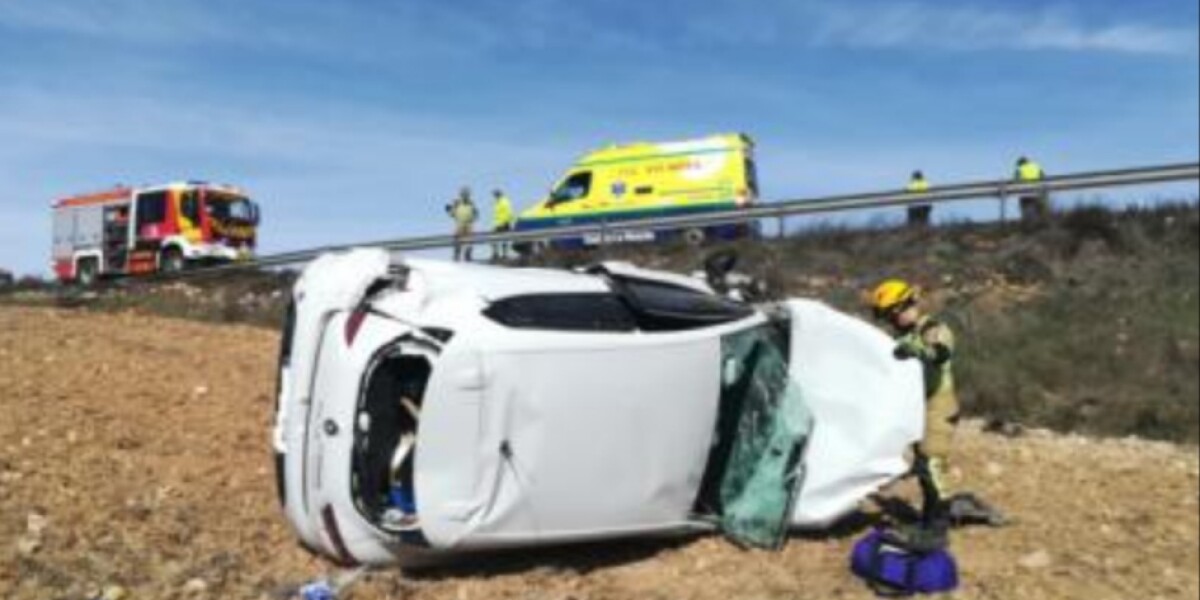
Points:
(171, 260)
(693, 237)
(87, 271)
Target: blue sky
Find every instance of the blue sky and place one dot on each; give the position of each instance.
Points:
(356, 120)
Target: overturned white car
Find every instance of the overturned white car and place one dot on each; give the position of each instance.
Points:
(429, 408)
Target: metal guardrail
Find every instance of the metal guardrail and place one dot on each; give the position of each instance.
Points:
(998, 189)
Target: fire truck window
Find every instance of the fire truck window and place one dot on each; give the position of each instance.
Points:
(152, 208)
(189, 205)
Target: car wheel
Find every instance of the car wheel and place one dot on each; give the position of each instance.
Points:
(693, 237)
(171, 260)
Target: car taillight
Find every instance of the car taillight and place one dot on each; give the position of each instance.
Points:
(353, 324)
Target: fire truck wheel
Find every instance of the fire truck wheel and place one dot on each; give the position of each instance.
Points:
(171, 260)
(86, 271)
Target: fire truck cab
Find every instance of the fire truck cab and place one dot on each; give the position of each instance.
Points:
(165, 228)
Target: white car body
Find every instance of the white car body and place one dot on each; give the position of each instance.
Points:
(531, 435)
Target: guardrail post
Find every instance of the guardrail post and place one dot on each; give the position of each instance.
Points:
(782, 227)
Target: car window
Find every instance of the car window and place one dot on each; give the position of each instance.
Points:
(659, 306)
(563, 312)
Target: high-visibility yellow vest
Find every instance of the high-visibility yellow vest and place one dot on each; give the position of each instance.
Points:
(463, 213)
(1029, 171)
(503, 213)
(916, 186)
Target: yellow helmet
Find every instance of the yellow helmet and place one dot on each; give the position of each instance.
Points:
(892, 295)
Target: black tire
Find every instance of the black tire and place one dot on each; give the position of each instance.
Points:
(694, 237)
(87, 270)
(171, 260)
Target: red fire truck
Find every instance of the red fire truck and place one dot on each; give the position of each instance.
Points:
(165, 228)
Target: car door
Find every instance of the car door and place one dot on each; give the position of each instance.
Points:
(755, 467)
(593, 435)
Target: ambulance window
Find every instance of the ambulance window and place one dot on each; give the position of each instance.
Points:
(575, 187)
(151, 208)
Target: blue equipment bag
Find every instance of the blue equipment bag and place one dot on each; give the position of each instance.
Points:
(893, 570)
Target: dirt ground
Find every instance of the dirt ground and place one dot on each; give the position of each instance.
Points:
(134, 461)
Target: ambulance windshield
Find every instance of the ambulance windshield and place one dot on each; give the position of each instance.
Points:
(574, 187)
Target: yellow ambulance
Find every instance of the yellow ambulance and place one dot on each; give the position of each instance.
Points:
(632, 181)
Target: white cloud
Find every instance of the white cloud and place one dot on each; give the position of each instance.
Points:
(906, 24)
(911, 24)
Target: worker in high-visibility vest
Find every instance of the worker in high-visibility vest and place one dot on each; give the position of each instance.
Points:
(1028, 170)
(502, 221)
(463, 212)
(918, 214)
(1034, 205)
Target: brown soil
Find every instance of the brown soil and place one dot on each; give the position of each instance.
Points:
(134, 453)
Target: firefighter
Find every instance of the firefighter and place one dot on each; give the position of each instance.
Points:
(922, 337)
(918, 214)
(1036, 205)
(502, 221)
(463, 211)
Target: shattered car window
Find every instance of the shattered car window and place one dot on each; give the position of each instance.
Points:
(763, 425)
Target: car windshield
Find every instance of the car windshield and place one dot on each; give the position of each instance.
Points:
(227, 207)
